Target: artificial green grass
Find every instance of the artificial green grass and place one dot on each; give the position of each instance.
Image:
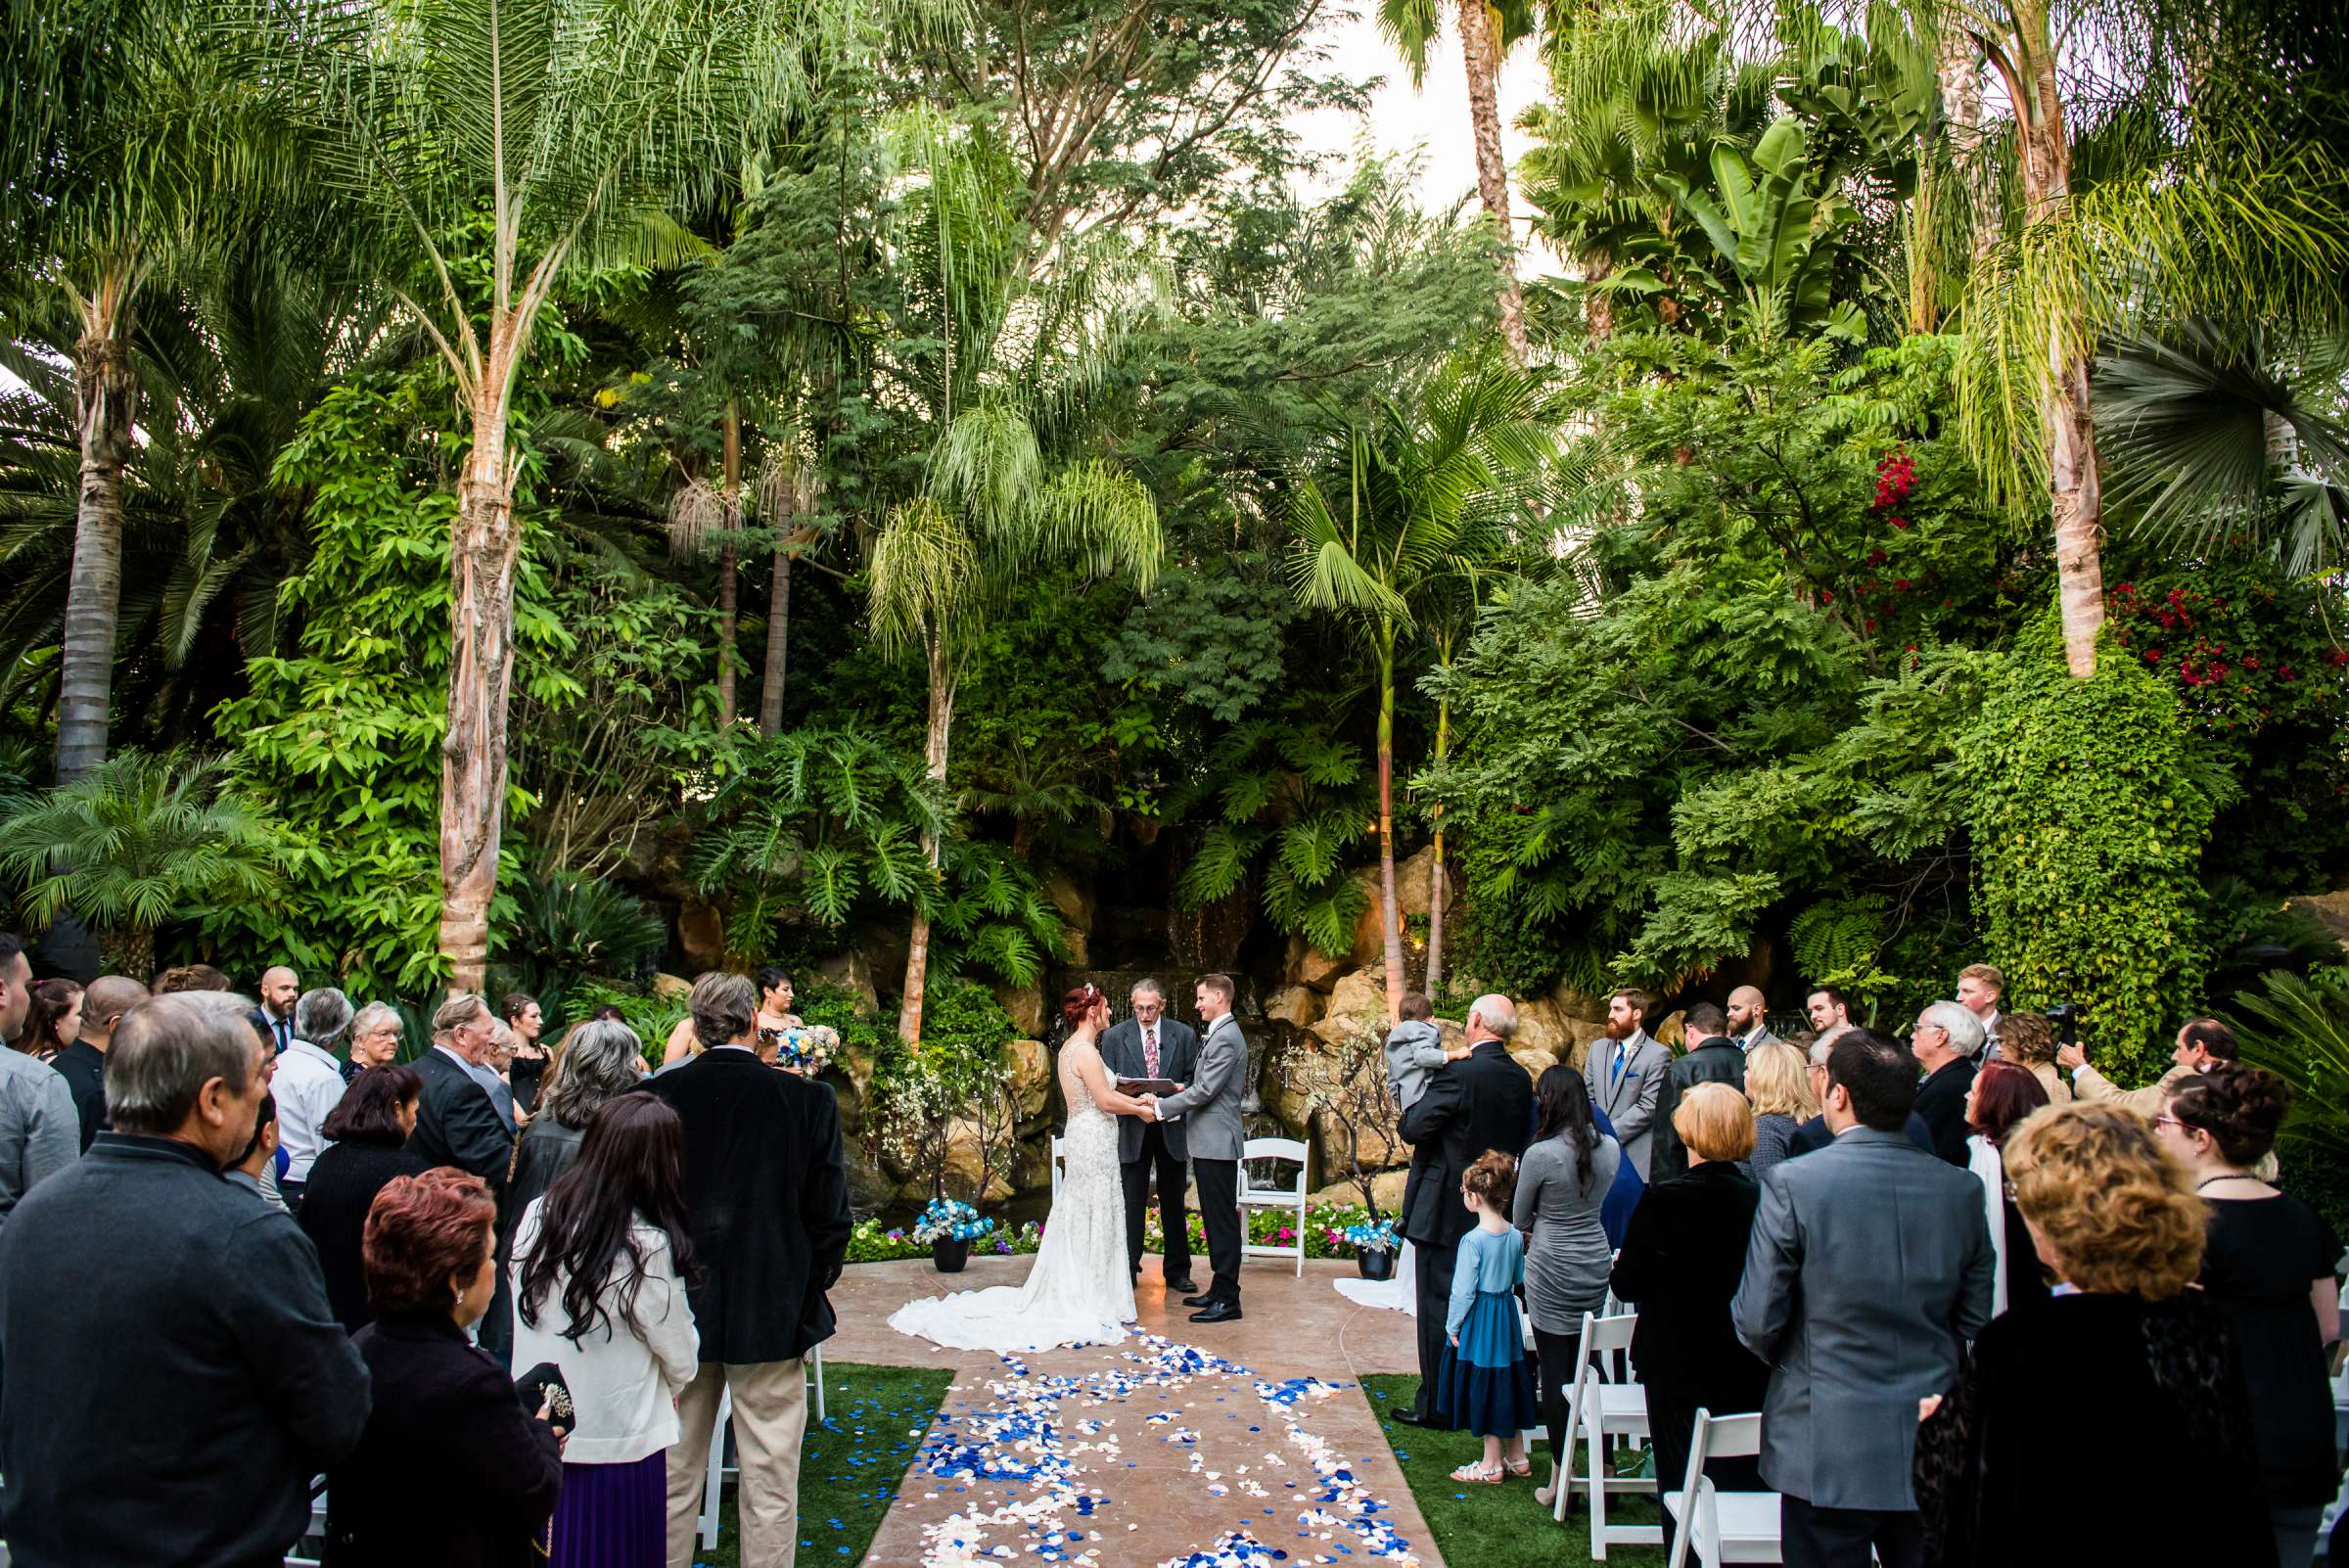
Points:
(1494, 1527)
(849, 1466)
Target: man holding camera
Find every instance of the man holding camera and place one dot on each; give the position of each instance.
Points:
(2200, 1045)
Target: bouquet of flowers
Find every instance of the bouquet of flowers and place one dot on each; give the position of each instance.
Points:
(951, 1220)
(1377, 1235)
(806, 1049)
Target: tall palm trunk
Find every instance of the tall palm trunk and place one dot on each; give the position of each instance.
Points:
(786, 507)
(105, 398)
(480, 674)
(2073, 482)
(1480, 47)
(934, 754)
(1437, 876)
(729, 569)
(1390, 915)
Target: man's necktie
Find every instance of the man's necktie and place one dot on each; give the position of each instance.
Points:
(1150, 1052)
(284, 1034)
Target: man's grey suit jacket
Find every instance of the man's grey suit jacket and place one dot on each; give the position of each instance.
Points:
(1177, 1059)
(1867, 1273)
(1210, 1106)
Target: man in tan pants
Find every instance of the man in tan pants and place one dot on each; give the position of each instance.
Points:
(770, 1416)
(767, 1193)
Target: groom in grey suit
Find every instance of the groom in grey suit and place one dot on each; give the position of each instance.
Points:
(1150, 1044)
(1211, 1112)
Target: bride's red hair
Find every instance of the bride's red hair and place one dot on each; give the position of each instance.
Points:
(1078, 1002)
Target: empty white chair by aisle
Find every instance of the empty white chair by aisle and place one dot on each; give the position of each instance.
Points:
(1722, 1527)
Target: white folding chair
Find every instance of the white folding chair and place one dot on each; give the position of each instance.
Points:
(1060, 1157)
(720, 1469)
(313, 1537)
(1722, 1527)
(1288, 1200)
(1600, 1411)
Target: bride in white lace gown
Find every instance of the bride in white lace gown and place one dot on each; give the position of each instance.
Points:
(1078, 1292)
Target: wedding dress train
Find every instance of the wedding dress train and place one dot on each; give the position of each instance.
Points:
(1078, 1293)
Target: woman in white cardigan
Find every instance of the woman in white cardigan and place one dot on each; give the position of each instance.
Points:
(601, 1266)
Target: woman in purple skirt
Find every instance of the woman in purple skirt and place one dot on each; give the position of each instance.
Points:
(601, 1266)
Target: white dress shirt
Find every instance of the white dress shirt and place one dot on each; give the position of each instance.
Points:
(624, 1373)
(308, 1084)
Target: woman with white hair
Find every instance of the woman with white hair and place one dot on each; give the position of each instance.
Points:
(374, 1038)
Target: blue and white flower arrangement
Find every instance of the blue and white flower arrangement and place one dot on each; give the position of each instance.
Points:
(1378, 1235)
(951, 1220)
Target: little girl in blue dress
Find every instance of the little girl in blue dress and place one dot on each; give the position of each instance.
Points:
(1484, 1386)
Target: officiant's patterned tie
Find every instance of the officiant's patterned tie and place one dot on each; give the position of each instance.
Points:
(1150, 1050)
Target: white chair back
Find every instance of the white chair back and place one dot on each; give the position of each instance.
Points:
(1700, 1507)
(1060, 1158)
(1289, 1199)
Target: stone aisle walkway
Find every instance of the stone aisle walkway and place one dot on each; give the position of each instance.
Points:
(1241, 1444)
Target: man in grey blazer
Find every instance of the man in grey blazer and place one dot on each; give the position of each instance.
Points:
(1867, 1273)
(1215, 1137)
(1150, 1044)
(1626, 1074)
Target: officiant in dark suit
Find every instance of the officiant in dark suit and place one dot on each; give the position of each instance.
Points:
(1150, 1044)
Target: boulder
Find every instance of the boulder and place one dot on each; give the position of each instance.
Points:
(963, 1162)
(1358, 1004)
(702, 936)
(1574, 1004)
(853, 971)
(672, 988)
(1370, 934)
(1541, 1026)
(1308, 965)
(1671, 1032)
(883, 947)
(1025, 1005)
(869, 1189)
(1074, 900)
(1297, 1006)
(2329, 909)
(1031, 1076)
(1536, 1063)
(1387, 1185)
(850, 1075)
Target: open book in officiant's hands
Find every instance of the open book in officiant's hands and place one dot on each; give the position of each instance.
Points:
(1135, 1088)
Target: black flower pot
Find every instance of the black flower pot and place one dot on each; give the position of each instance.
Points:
(948, 1255)
(1375, 1262)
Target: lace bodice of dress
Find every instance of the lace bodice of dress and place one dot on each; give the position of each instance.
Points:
(1075, 1091)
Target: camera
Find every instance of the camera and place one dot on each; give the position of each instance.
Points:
(2064, 1016)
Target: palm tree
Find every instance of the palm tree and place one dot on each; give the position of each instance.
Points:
(134, 842)
(490, 148)
(1020, 345)
(1410, 28)
(1407, 503)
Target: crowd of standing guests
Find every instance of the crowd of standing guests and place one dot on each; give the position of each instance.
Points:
(246, 1248)
(1962, 1277)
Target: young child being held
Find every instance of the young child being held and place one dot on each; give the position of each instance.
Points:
(1413, 1050)
(1485, 1385)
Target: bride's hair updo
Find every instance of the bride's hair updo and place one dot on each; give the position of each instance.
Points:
(1078, 1002)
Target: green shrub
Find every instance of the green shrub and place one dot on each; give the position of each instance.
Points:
(2089, 811)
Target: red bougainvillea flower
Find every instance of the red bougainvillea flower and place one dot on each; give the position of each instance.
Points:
(2152, 655)
(1867, 623)
(2337, 656)
(1900, 521)
(1826, 597)
(1900, 585)
(1876, 557)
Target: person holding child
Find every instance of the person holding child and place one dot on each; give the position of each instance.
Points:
(1485, 1385)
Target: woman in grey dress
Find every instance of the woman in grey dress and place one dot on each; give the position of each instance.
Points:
(1561, 1185)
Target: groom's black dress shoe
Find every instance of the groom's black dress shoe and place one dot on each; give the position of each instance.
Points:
(1181, 1282)
(1199, 1301)
(1414, 1418)
(1221, 1311)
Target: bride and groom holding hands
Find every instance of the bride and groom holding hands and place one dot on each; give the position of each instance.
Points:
(1140, 1098)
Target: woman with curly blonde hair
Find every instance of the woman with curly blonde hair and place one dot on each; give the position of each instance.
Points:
(1778, 1080)
(2097, 1391)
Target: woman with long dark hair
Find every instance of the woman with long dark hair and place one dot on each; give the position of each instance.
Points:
(367, 1134)
(1561, 1186)
(601, 1267)
(54, 1020)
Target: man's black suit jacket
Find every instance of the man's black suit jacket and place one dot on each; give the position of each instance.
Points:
(1714, 1060)
(457, 1125)
(1941, 1102)
(1483, 1101)
(766, 1189)
(1177, 1059)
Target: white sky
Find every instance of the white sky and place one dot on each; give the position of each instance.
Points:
(1431, 120)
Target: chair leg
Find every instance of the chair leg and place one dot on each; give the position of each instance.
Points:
(1599, 1490)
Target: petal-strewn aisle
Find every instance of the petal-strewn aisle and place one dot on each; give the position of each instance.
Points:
(1231, 1446)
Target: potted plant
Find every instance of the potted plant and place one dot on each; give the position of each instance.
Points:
(949, 1226)
(1344, 1087)
(1373, 1243)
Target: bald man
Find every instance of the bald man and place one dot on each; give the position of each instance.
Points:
(1748, 1027)
(281, 988)
(82, 1064)
(1482, 1101)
